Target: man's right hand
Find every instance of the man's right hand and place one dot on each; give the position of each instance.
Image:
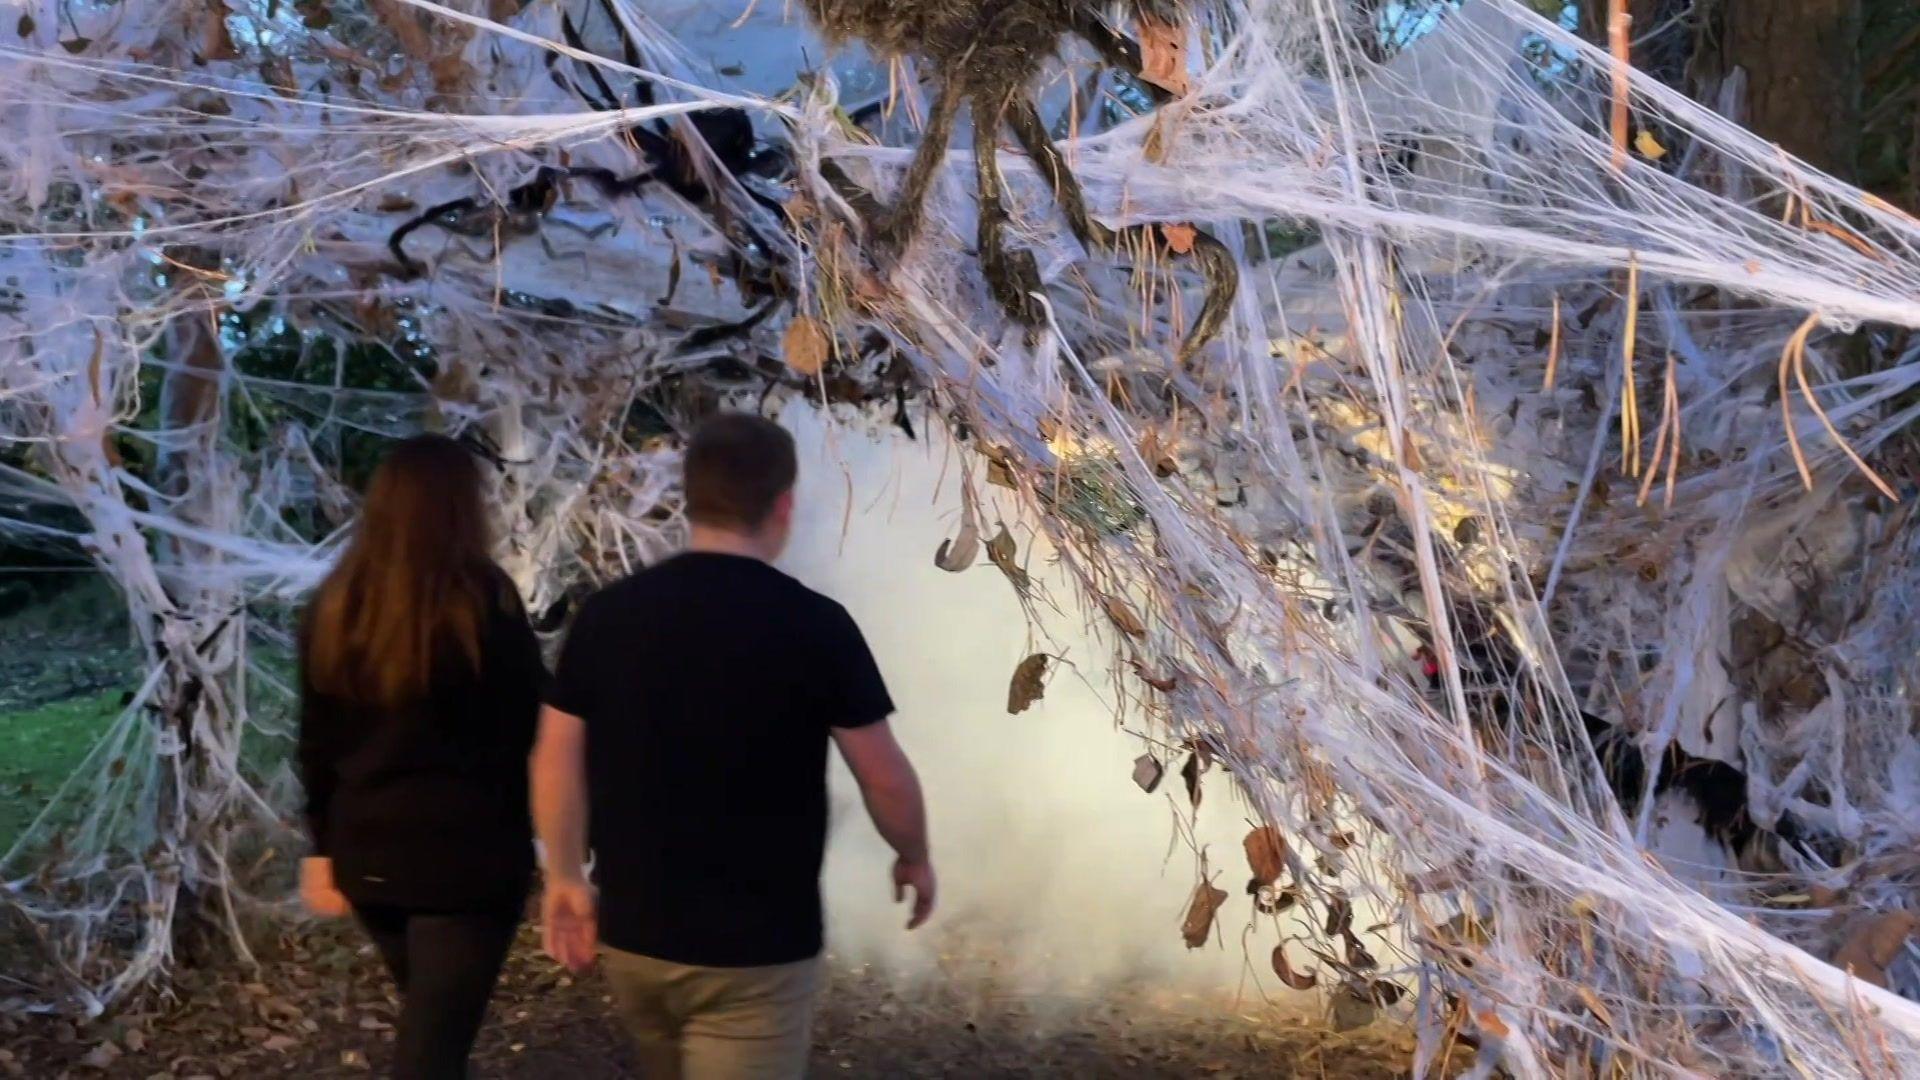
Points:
(569, 923)
(917, 876)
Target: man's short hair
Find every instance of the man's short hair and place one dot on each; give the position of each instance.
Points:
(737, 466)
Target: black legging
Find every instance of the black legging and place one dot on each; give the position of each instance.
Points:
(446, 964)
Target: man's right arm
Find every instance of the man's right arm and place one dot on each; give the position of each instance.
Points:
(891, 790)
(559, 783)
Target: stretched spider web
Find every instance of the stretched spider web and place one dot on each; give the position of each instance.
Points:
(1538, 369)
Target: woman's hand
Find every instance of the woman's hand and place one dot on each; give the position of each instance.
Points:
(569, 922)
(317, 891)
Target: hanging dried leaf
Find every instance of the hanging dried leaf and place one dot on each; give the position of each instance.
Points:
(1649, 146)
(958, 553)
(1594, 1005)
(1029, 683)
(1148, 772)
(1163, 56)
(1271, 901)
(1358, 958)
(1190, 772)
(1123, 617)
(805, 345)
(1165, 686)
(1294, 979)
(1002, 552)
(1491, 1025)
(1198, 926)
(25, 26)
(1179, 238)
(1339, 916)
(1873, 945)
(1386, 993)
(1266, 854)
(999, 475)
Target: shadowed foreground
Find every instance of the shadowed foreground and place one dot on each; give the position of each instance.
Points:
(302, 1015)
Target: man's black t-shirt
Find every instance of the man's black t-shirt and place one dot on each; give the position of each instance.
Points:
(708, 684)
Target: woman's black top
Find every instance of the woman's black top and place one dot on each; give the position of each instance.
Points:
(425, 805)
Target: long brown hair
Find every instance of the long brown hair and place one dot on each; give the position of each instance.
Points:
(412, 588)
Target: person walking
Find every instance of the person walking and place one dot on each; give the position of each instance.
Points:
(685, 735)
(420, 685)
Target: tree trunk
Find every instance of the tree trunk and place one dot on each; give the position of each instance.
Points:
(1803, 66)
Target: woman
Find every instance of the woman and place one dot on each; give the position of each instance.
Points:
(420, 684)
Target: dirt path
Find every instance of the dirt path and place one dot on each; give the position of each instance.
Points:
(319, 1007)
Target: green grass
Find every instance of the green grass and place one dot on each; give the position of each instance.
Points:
(40, 748)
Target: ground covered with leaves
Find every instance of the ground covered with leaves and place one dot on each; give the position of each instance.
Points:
(319, 1006)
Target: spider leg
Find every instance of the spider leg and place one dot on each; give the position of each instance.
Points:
(1013, 276)
(1117, 49)
(897, 228)
(1217, 265)
(1027, 127)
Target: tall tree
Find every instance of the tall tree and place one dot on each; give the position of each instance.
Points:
(1802, 61)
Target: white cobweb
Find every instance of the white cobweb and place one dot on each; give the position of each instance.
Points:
(1602, 422)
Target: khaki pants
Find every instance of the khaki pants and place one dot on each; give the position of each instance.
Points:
(704, 1023)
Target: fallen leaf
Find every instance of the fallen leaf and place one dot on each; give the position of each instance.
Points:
(1648, 145)
(1163, 56)
(1266, 854)
(1358, 958)
(1179, 238)
(1029, 683)
(1123, 616)
(1148, 772)
(101, 1057)
(805, 345)
(394, 204)
(1294, 979)
(280, 1044)
(1198, 926)
(1385, 992)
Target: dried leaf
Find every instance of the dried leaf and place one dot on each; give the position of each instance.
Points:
(77, 45)
(25, 26)
(1148, 772)
(1190, 772)
(1491, 1025)
(215, 42)
(1358, 958)
(1163, 55)
(101, 1057)
(1165, 686)
(1198, 926)
(805, 345)
(1384, 992)
(1123, 617)
(1294, 979)
(1339, 916)
(958, 553)
(1179, 238)
(1029, 683)
(1649, 146)
(1594, 1005)
(999, 475)
(1873, 945)
(1266, 854)
(1002, 552)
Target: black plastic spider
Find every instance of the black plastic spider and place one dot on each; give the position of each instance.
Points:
(986, 54)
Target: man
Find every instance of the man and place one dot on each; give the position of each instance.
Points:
(686, 736)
